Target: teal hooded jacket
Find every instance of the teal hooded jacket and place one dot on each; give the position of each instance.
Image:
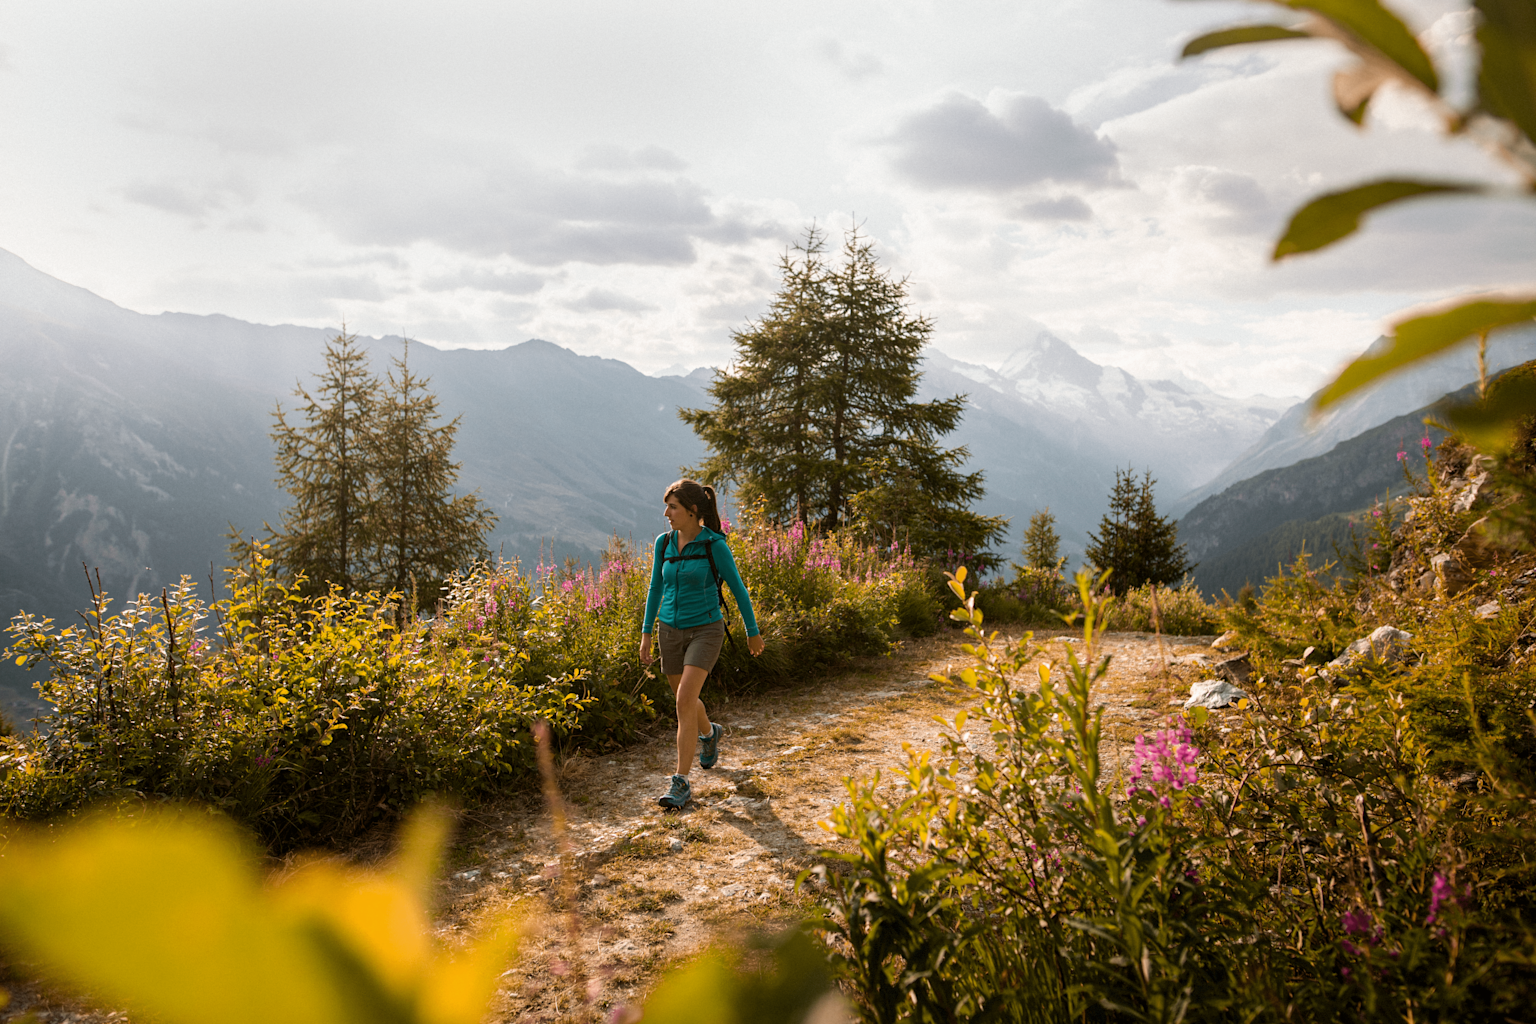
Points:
(683, 593)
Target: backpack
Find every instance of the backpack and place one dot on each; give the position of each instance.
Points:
(719, 583)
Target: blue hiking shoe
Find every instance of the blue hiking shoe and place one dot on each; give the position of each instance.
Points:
(709, 746)
(678, 796)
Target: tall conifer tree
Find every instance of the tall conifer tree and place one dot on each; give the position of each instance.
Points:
(371, 475)
(817, 418)
(1133, 541)
(422, 531)
(1042, 544)
(324, 464)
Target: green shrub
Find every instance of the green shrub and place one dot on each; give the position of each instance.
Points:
(1179, 611)
(1034, 596)
(304, 718)
(1299, 863)
(1466, 670)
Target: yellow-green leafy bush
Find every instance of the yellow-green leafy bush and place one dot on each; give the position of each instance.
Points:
(305, 718)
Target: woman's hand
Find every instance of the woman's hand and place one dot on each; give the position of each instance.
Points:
(755, 645)
(646, 657)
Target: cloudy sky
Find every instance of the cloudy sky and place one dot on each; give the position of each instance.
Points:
(620, 177)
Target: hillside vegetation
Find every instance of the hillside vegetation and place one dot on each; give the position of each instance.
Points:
(310, 719)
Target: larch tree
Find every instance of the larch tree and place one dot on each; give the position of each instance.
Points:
(1133, 541)
(371, 474)
(324, 463)
(818, 420)
(422, 531)
(1042, 544)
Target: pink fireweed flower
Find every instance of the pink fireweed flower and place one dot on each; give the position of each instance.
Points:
(1441, 892)
(1167, 759)
(1402, 456)
(1425, 443)
(1358, 922)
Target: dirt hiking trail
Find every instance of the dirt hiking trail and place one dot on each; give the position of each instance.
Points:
(653, 888)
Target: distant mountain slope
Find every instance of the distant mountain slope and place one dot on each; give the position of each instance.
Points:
(1295, 436)
(1241, 534)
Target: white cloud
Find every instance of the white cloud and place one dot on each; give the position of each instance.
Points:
(604, 300)
(538, 215)
(505, 282)
(1058, 208)
(959, 143)
(854, 64)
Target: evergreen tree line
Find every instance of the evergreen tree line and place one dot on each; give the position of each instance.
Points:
(369, 468)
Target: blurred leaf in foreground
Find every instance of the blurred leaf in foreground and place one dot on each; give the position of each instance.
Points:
(1426, 335)
(796, 988)
(167, 914)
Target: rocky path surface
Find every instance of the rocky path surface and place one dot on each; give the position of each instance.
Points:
(650, 888)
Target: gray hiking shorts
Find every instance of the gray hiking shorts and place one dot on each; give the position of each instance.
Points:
(698, 645)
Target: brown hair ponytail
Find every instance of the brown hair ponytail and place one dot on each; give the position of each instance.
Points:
(697, 498)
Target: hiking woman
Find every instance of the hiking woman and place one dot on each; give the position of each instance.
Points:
(690, 562)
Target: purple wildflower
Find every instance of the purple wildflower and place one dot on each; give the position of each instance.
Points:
(1168, 758)
(1358, 922)
(1441, 892)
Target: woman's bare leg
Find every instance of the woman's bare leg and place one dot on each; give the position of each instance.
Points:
(692, 719)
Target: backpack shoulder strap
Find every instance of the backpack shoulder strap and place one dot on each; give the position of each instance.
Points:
(709, 552)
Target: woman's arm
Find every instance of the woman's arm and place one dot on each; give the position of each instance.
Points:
(725, 562)
(653, 598)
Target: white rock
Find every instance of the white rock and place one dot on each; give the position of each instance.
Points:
(1213, 693)
(471, 875)
(1489, 611)
(674, 844)
(1385, 644)
(1225, 641)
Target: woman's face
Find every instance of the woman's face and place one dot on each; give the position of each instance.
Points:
(678, 517)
